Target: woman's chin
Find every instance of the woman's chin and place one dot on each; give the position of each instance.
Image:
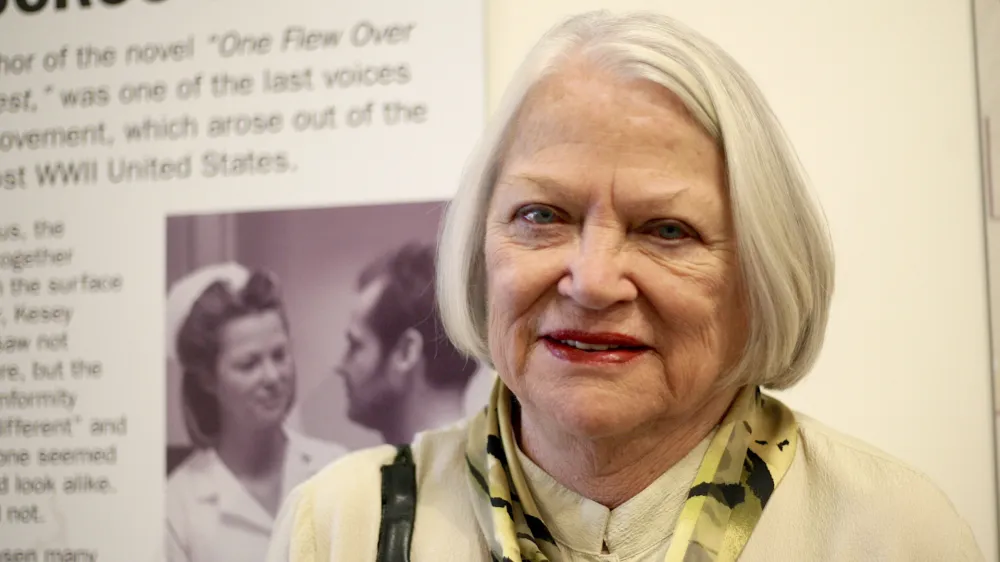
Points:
(591, 413)
(269, 419)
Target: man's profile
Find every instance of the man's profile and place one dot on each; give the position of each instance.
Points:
(402, 373)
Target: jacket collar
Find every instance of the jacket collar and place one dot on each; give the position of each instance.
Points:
(219, 486)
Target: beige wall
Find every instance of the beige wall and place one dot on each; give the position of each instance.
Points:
(988, 59)
(879, 99)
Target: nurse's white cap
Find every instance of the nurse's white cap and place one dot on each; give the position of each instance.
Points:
(185, 292)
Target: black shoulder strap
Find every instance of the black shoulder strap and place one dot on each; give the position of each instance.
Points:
(399, 506)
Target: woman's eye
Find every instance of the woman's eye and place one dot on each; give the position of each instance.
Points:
(538, 214)
(671, 231)
(247, 365)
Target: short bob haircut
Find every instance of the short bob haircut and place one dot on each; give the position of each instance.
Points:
(784, 247)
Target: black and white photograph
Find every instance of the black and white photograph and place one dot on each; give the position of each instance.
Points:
(293, 338)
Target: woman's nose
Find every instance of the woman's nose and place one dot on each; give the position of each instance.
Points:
(271, 372)
(597, 276)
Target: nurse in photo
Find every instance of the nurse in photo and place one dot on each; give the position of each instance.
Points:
(228, 334)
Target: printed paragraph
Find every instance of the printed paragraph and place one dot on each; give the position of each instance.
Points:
(136, 126)
(43, 384)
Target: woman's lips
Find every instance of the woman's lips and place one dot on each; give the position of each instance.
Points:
(593, 348)
(273, 402)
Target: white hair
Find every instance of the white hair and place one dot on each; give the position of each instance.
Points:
(784, 247)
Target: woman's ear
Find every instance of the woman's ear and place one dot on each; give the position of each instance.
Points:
(206, 380)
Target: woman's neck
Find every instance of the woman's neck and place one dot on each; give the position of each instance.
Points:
(251, 453)
(612, 470)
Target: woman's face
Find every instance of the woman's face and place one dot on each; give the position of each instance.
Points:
(255, 377)
(609, 230)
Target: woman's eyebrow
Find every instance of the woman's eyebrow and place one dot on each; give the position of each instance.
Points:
(540, 182)
(661, 196)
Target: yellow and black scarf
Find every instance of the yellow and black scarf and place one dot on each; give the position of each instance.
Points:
(745, 461)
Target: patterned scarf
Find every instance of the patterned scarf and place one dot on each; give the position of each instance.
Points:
(745, 461)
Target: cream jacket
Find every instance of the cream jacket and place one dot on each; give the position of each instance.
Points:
(840, 501)
(212, 518)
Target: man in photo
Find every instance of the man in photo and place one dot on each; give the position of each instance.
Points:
(401, 371)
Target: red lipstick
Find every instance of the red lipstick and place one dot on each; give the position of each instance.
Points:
(594, 348)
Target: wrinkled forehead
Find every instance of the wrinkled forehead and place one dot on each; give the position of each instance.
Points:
(598, 136)
(582, 102)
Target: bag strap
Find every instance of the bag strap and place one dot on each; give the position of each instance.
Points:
(399, 506)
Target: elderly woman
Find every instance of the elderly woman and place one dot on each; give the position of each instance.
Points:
(228, 334)
(636, 253)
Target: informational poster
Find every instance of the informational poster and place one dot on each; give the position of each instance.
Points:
(987, 33)
(217, 221)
